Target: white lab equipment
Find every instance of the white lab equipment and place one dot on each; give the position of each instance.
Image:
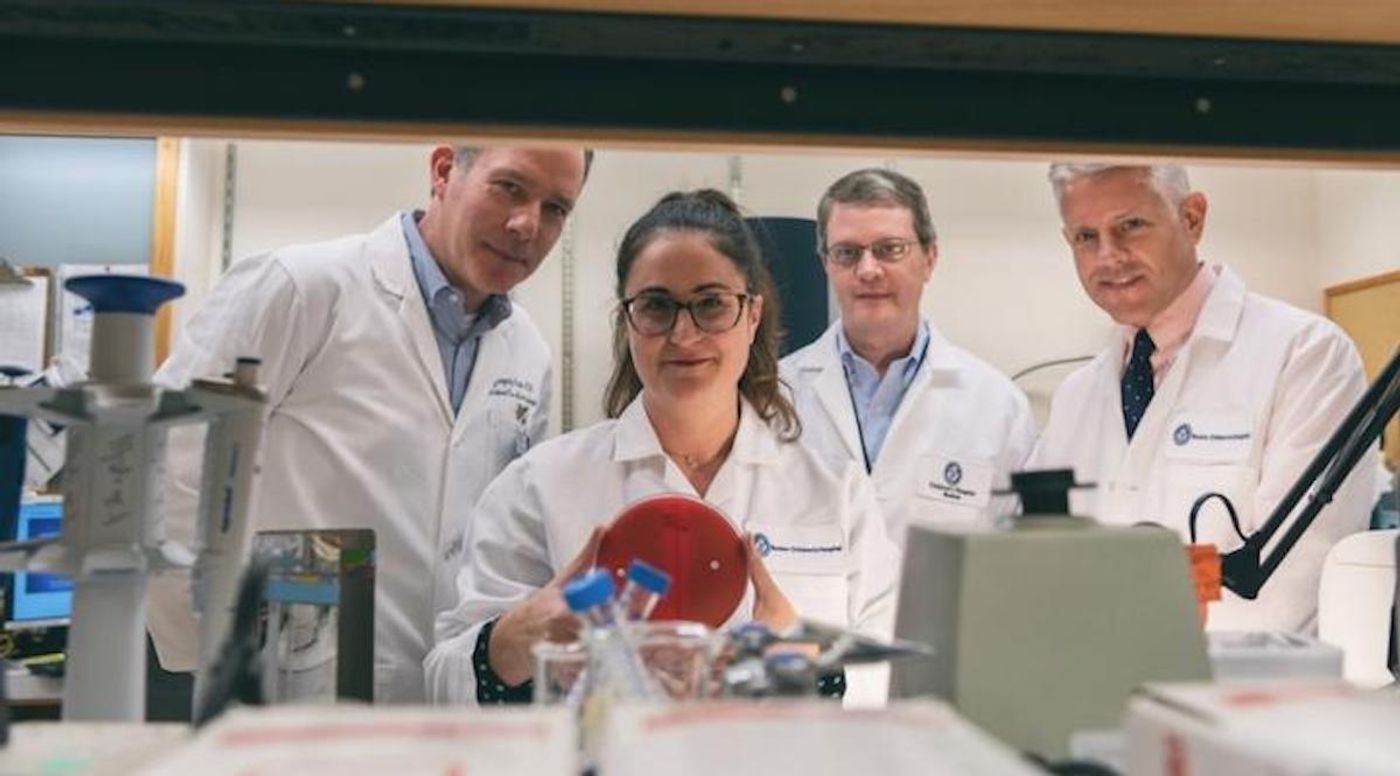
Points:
(1043, 630)
(1355, 604)
(1247, 655)
(112, 537)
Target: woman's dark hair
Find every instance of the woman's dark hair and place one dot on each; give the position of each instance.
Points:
(713, 215)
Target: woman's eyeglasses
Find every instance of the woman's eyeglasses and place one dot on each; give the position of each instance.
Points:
(713, 312)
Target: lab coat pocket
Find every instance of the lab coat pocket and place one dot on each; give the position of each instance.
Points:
(1188, 481)
(810, 565)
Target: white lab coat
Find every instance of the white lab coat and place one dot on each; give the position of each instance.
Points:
(960, 430)
(1249, 400)
(538, 514)
(360, 431)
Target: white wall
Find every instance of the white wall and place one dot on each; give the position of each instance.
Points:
(1004, 287)
(199, 223)
(1358, 216)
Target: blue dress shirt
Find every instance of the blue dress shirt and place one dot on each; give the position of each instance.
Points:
(457, 331)
(876, 398)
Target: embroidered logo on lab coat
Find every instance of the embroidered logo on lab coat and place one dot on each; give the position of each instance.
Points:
(956, 480)
(1205, 436)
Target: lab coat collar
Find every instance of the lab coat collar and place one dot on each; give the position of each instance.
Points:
(820, 363)
(1220, 317)
(754, 442)
(389, 262)
(942, 357)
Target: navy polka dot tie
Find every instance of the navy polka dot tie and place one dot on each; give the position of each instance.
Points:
(1137, 381)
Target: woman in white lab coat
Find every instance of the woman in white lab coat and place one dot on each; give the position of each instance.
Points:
(696, 409)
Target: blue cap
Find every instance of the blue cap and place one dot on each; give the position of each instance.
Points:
(648, 577)
(791, 661)
(124, 293)
(593, 588)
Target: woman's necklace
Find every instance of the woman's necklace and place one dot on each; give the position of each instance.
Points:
(696, 463)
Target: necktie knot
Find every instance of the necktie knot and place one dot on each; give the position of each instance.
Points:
(1137, 388)
(1143, 346)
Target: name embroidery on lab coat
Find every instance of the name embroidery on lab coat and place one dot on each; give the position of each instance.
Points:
(957, 481)
(1210, 436)
(1184, 435)
(766, 547)
(514, 388)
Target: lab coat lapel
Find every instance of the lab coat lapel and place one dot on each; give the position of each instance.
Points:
(393, 273)
(835, 397)
(1218, 320)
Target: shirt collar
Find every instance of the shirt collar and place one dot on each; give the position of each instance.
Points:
(434, 284)
(636, 439)
(909, 363)
(1170, 328)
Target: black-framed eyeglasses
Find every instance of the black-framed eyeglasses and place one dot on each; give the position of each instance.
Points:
(713, 312)
(887, 251)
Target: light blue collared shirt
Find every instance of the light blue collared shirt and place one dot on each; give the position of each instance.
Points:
(457, 331)
(877, 399)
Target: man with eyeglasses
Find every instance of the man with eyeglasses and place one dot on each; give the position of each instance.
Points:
(937, 429)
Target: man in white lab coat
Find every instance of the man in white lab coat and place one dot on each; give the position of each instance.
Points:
(401, 379)
(1205, 386)
(936, 428)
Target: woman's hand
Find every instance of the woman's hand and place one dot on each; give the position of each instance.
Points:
(770, 606)
(542, 617)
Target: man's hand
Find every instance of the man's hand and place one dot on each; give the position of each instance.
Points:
(542, 617)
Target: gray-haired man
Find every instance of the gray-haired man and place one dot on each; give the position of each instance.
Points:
(1205, 387)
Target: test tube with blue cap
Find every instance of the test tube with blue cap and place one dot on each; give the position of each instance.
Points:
(615, 667)
(645, 586)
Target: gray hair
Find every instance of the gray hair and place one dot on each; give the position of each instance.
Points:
(464, 155)
(1169, 179)
(876, 187)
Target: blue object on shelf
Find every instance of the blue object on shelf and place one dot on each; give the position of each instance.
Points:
(124, 293)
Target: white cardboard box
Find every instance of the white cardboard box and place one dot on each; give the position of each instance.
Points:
(404, 741)
(1273, 728)
(811, 738)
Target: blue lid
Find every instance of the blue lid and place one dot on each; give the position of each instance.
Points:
(124, 293)
(648, 577)
(790, 661)
(592, 589)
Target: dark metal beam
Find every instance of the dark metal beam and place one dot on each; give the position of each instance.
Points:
(356, 63)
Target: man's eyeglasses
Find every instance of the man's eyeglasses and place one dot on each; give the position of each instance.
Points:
(887, 251)
(713, 312)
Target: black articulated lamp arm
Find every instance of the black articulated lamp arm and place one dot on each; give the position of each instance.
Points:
(1246, 569)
